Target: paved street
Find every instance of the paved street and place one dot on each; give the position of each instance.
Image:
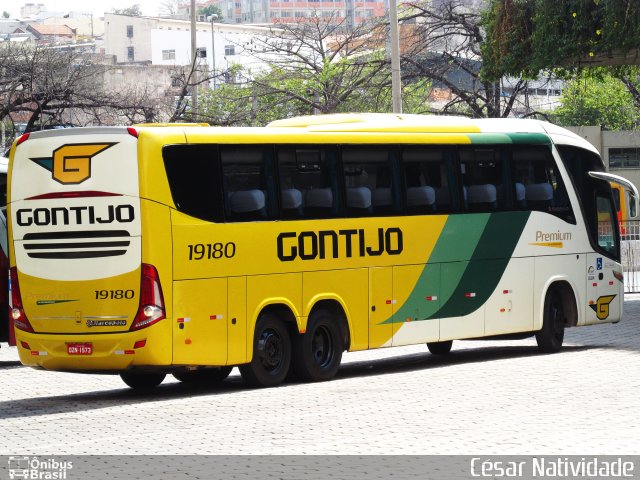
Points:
(484, 398)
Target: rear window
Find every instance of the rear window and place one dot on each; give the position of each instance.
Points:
(194, 179)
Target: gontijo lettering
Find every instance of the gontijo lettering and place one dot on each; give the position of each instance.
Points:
(74, 215)
(336, 244)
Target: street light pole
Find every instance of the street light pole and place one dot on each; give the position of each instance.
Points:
(396, 87)
(213, 18)
(194, 59)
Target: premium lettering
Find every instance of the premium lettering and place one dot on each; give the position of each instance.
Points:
(552, 236)
(323, 244)
(41, 217)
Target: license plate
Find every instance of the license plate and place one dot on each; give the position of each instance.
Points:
(79, 348)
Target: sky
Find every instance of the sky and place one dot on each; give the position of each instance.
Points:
(148, 7)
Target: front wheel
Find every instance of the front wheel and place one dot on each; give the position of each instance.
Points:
(318, 352)
(204, 376)
(551, 336)
(142, 381)
(440, 348)
(271, 353)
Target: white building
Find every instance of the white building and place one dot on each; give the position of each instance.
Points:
(162, 41)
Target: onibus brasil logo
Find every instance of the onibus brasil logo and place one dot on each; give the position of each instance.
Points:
(25, 467)
(71, 164)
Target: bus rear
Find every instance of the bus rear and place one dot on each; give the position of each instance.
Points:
(80, 296)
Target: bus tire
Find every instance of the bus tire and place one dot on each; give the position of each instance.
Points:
(141, 381)
(440, 348)
(271, 353)
(204, 376)
(551, 336)
(318, 352)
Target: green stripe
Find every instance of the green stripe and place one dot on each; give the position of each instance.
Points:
(470, 256)
(516, 138)
(487, 265)
(458, 240)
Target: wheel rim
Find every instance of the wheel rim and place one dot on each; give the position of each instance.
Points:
(270, 350)
(322, 346)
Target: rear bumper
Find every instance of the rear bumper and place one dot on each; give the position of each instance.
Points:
(112, 352)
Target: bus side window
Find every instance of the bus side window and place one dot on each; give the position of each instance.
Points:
(483, 179)
(247, 190)
(427, 181)
(307, 180)
(534, 170)
(368, 181)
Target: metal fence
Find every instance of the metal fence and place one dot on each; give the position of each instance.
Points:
(630, 252)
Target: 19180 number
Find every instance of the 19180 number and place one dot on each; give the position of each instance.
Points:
(209, 251)
(114, 294)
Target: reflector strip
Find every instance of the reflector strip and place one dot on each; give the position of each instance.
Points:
(470, 295)
(36, 353)
(125, 352)
(502, 310)
(595, 284)
(507, 292)
(431, 298)
(390, 302)
(216, 317)
(184, 320)
(611, 283)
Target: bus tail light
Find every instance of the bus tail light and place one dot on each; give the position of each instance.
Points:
(15, 307)
(151, 309)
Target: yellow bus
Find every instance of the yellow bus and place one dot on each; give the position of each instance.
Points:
(188, 250)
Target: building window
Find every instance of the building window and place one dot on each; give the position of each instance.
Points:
(168, 54)
(201, 52)
(286, 14)
(130, 31)
(229, 50)
(624, 157)
(130, 55)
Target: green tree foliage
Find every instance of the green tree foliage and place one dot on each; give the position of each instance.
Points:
(6, 14)
(133, 10)
(527, 36)
(210, 10)
(598, 98)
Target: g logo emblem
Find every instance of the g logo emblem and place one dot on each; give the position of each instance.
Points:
(71, 164)
(601, 307)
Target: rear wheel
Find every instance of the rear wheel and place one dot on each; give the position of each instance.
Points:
(204, 376)
(440, 348)
(551, 336)
(317, 353)
(271, 353)
(140, 381)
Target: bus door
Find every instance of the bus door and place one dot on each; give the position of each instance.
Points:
(604, 275)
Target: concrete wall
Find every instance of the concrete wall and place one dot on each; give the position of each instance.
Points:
(604, 140)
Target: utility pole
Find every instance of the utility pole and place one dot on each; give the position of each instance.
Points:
(194, 59)
(396, 86)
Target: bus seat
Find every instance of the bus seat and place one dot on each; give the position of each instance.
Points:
(291, 202)
(359, 200)
(248, 204)
(482, 197)
(318, 202)
(421, 199)
(539, 196)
